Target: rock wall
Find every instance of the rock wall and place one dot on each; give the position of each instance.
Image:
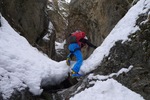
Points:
(57, 11)
(27, 17)
(136, 53)
(96, 18)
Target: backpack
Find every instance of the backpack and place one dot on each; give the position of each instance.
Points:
(72, 39)
(76, 36)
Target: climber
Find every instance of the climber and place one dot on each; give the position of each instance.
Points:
(77, 40)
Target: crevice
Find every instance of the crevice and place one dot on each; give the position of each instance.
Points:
(63, 85)
(49, 91)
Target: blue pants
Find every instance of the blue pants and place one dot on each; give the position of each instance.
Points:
(78, 55)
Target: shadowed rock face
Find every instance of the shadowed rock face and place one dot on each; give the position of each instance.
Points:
(0, 22)
(96, 18)
(26, 16)
(29, 18)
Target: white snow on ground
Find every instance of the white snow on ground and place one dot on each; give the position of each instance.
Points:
(107, 90)
(22, 65)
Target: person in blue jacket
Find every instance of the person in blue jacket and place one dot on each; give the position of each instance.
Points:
(76, 43)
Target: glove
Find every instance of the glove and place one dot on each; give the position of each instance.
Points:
(72, 72)
(68, 60)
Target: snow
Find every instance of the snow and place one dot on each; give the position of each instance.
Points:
(60, 45)
(50, 8)
(50, 0)
(22, 65)
(104, 77)
(107, 90)
(68, 1)
(50, 31)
